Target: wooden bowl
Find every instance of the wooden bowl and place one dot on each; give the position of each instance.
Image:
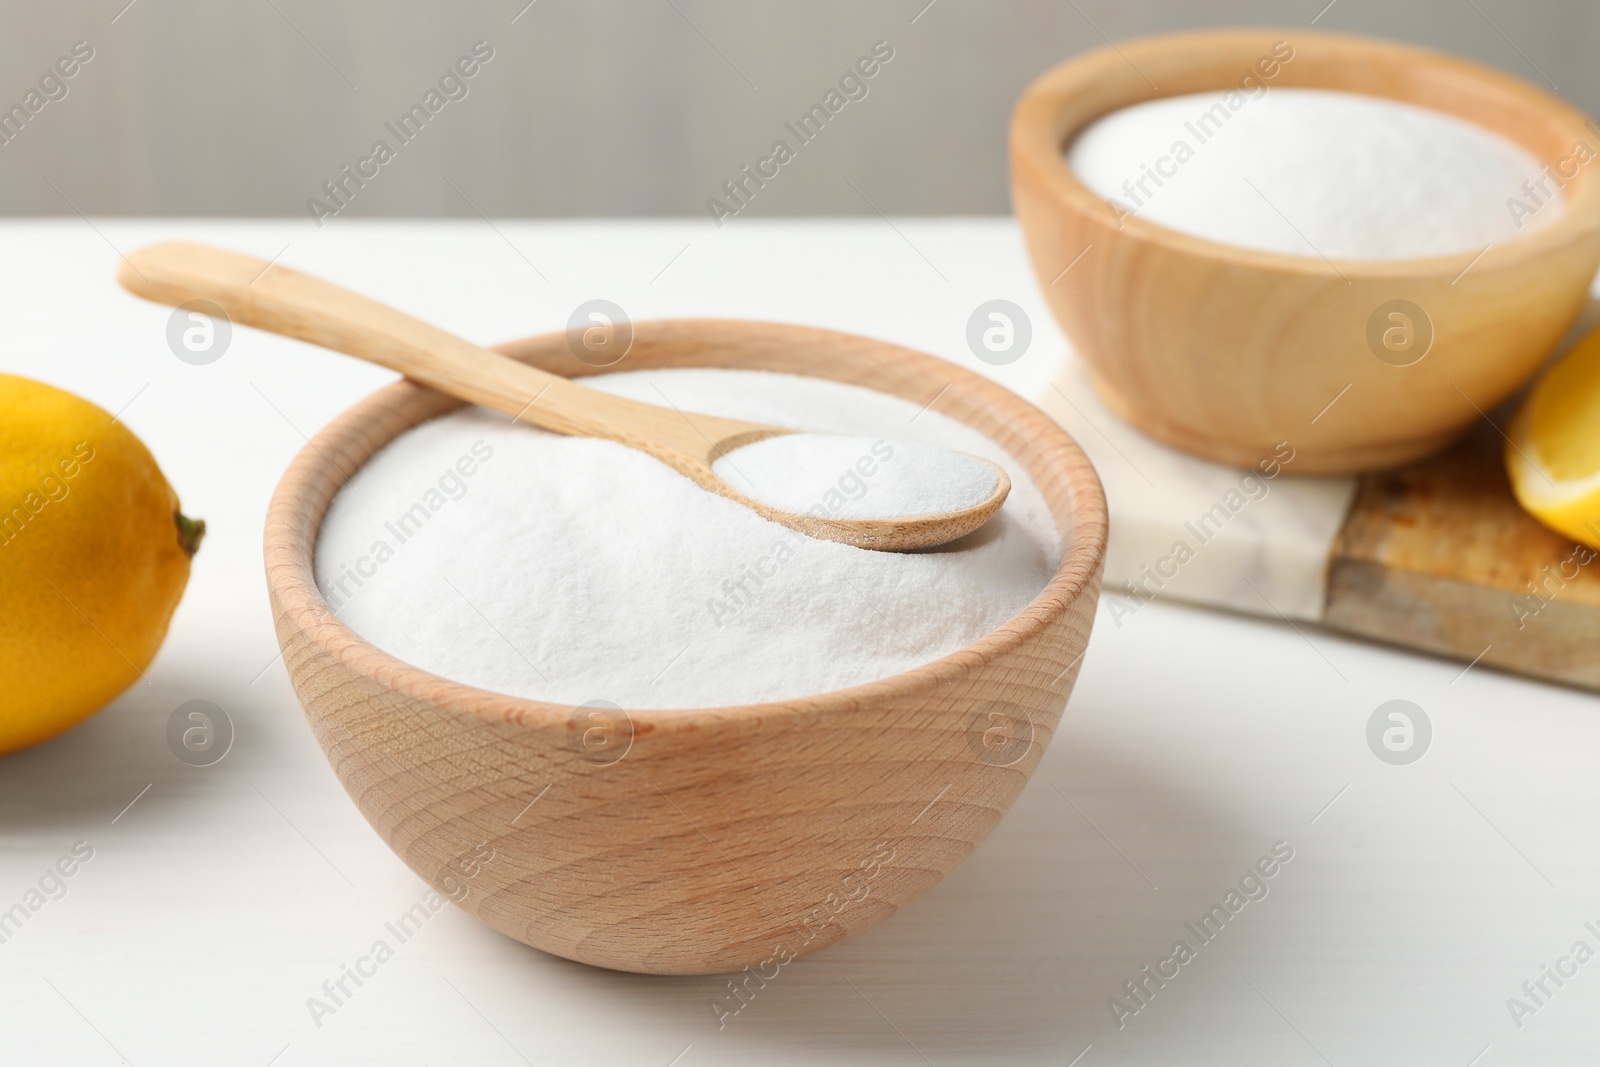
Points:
(721, 838)
(1226, 351)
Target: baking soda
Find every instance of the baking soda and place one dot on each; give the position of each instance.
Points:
(1312, 172)
(573, 569)
(856, 477)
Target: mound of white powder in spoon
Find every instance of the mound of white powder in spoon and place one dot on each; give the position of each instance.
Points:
(1314, 172)
(572, 569)
(798, 472)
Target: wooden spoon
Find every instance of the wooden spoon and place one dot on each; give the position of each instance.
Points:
(287, 302)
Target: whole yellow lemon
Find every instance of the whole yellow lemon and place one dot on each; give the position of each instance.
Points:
(94, 557)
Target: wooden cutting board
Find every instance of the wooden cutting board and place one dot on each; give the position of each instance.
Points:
(1437, 556)
(1440, 557)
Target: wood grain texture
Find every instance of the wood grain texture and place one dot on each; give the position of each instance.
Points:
(1439, 556)
(285, 301)
(724, 838)
(1225, 351)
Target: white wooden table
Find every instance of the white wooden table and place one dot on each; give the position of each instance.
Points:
(219, 899)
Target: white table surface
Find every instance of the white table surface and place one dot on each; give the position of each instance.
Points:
(1419, 899)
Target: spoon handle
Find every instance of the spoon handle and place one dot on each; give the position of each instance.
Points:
(284, 301)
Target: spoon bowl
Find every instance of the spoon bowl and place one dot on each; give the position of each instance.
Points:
(899, 533)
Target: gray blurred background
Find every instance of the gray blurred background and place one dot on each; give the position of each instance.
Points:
(607, 107)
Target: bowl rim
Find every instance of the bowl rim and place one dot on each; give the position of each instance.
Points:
(294, 520)
(1034, 145)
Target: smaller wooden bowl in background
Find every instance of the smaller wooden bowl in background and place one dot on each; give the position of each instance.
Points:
(701, 840)
(1226, 351)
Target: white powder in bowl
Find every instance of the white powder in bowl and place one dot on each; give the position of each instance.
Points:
(856, 477)
(1312, 172)
(571, 569)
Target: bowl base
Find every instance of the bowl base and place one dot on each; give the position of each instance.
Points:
(1308, 458)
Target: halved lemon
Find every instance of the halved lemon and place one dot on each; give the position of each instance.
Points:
(1553, 451)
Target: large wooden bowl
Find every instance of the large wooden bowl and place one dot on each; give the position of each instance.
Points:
(1226, 351)
(706, 840)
